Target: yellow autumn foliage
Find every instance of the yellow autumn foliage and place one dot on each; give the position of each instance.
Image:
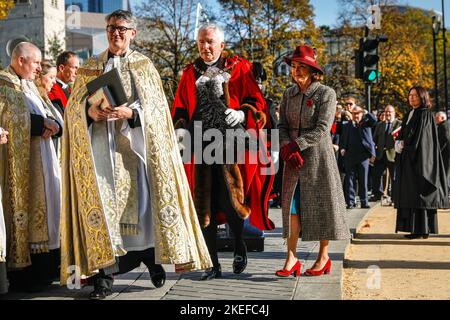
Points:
(405, 60)
(5, 7)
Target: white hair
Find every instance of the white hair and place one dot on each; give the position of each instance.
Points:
(211, 26)
(441, 114)
(24, 49)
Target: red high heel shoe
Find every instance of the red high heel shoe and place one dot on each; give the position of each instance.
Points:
(325, 270)
(296, 270)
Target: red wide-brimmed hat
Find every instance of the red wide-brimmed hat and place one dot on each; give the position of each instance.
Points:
(305, 55)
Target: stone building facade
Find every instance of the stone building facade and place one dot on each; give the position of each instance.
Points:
(37, 21)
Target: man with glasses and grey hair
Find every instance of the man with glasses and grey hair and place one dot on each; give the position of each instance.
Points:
(127, 198)
(222, 192)
(385, 152)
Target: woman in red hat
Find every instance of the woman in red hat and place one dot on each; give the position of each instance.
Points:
(313, 202)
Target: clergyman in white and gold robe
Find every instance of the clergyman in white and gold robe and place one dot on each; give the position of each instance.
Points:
(127, 198)
(29, 179)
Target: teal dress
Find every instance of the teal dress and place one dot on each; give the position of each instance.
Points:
(295, 206)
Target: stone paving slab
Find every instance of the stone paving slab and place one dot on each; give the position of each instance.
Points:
(258, 282)
(328, 287)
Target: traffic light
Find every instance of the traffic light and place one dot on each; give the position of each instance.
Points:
(370, 59)
(367, 59)
(359, 64)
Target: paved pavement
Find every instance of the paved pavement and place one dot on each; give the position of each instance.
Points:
(258, 282)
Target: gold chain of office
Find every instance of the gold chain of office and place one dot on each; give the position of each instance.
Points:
(221, 71)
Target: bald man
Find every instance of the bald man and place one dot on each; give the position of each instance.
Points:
(30, 166)
(385, 152)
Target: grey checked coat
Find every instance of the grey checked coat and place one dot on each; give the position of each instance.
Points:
(307, 118)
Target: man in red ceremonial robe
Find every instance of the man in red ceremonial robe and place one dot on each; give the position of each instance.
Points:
(220, 92)
(67, 64)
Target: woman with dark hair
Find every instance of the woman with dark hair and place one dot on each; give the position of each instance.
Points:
(313, 199)
(421, 179)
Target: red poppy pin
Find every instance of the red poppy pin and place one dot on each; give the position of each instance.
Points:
(309, 103)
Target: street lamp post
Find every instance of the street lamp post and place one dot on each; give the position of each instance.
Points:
(436, 29)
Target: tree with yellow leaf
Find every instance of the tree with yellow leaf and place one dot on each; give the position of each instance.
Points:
(266, 30)
(405, 60)
(5, 7)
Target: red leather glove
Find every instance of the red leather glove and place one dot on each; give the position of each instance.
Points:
(296, 160)
(289, 149)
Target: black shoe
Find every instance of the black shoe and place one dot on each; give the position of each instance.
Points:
(416, 236)
(276, 204)
(240, 261)
(374, 198)
(33, 288)
(157, 275)
(99, 293)
(213, 273)
(365, 206)
(351, 206)
(26, 287)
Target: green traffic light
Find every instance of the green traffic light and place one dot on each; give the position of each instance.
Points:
(373, 75)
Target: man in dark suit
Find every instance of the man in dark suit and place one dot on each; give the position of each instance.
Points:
(385, 151)
(443, 127)
(357, 148)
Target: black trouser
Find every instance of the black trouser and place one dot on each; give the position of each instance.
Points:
(361, 170)
(220, 202)
(44, 270)
(124, 264)
(278, 182)
(3, 279)
(379, 168)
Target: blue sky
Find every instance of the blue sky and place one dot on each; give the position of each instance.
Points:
(327, 11)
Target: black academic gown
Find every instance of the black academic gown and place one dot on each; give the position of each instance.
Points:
(444, 142)
(421, 178)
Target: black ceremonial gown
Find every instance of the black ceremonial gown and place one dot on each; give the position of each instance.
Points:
(421, 178)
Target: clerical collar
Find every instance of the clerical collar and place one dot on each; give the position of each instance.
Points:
(62, 83)
(211, 63)
(200, 66)
(112, 55)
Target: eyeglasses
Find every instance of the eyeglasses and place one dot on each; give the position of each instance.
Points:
(122, 30)
(349, 103)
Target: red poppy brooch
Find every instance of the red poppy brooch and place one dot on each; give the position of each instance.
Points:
(310, 103)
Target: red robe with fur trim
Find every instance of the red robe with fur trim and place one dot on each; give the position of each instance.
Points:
(256, 186)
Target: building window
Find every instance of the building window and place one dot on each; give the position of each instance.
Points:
(22, 2)
(55, 4)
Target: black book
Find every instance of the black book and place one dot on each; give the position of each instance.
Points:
(112, 81)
